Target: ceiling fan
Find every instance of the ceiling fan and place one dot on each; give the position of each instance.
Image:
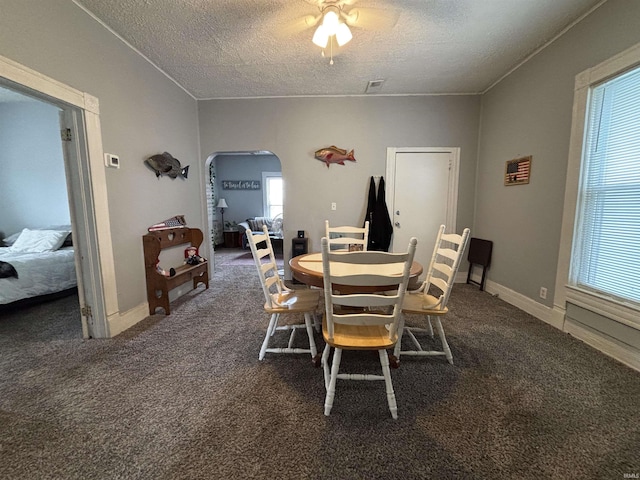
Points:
(337, 16)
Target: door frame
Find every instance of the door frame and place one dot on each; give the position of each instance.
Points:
(452, 190)
(89, 207)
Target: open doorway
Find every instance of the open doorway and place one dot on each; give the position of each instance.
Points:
(79, 130)
(35, 220)
(251, 185)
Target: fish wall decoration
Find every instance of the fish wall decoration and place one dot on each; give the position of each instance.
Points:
(334, 154)
(166, 164)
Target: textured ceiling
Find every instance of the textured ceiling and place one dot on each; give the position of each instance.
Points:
(259, 48)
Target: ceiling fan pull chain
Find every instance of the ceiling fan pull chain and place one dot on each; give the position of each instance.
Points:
(331, 47)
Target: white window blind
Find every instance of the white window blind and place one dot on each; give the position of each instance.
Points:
(606, 257)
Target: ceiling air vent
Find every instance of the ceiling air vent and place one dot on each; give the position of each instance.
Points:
(374, 86)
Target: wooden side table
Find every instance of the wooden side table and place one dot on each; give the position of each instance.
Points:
(231, 239)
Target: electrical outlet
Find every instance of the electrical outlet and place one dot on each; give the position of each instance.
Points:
(334, 206)
(543, 292)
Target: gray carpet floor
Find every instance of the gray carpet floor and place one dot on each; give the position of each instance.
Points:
(185, 397)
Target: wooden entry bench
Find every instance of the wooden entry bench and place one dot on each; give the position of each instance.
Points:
(158, 285)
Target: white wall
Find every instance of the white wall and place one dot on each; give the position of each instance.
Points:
(293, 129)
(33, 188)
(142, 113)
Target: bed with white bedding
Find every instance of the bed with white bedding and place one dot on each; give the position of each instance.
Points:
(43, 266)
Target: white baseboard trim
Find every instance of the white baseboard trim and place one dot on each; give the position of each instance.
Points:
(530, 306)
(556, 318)
(461, 277)
(622, 353)
(120, 322)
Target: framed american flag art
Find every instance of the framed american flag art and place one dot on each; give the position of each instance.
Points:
(517, 171)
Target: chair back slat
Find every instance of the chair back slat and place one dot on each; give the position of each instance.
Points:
(445, 263)
(449, 253)
(440, 283)
(272, 284)
(364, 319)
(367, 258)
(356, 269)
(363, 280)
(344, 236)
(443, 268)
(372, 300)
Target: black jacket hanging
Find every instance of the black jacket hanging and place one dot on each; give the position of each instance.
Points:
(381, 228)
(371, 205)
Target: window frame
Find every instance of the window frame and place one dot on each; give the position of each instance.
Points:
(566, 291)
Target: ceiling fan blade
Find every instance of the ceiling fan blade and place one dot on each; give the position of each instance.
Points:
(296, 26)
(372, 18)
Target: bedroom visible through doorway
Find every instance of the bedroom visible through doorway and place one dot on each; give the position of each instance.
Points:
(33, 193)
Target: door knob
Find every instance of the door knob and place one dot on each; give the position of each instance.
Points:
(397, 212)
(397, 224)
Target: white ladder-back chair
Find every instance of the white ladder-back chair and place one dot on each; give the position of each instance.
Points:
(431, 298)
(340, 238)
(281, 300)
(362, 321)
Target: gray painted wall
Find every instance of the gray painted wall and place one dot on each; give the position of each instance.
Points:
(294, 128)
(529, 113)
(33, 188)
(243, 204)
(142, 113)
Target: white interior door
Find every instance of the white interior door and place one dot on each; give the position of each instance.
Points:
(422, 194)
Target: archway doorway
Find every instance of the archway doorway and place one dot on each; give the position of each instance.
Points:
(248, 181)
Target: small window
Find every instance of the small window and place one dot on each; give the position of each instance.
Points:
(607, 232)
(273, 194)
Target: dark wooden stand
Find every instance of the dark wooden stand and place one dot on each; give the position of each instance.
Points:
(299, 246)
(158, 285)
(479, 254)
(232, 239)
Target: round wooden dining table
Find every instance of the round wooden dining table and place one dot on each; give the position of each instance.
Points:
(307, 269)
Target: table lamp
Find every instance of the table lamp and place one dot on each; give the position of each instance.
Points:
(222, 204)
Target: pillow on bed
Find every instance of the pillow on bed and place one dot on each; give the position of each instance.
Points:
(8, 241)
(38, 241)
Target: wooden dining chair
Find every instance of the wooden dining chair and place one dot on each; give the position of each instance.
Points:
(362, 321)
(347, 237)
(281, 300)
(430, 300)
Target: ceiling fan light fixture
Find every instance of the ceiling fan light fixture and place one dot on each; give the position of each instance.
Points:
(331, 20)
(321, 37)
(343, 34)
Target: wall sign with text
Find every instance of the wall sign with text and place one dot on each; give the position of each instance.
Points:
(241, 184)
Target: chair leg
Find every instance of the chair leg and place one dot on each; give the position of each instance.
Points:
(397, 348)
(443, 339)
(430, 326)
(312, 342)
(391, 396)
(331, 391)
(270, 329)
(325, 365)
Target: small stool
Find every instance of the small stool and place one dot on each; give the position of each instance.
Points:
(479, 254)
